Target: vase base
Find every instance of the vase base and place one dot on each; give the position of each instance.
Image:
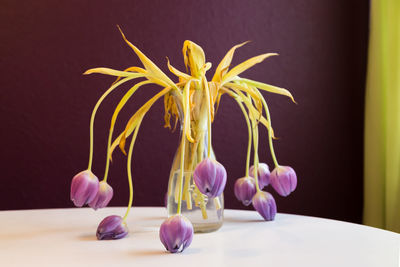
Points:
(206, 227)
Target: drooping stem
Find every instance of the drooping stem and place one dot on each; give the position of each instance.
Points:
(129, 168)
(187, 192)
(246, 116)
(271, 146)
(255, 142)
(185, 119)
(207, 90)
(115, 85)
(113, 120)
(181, 173)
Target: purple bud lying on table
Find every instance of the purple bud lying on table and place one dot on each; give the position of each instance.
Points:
(210, 177)
(283, 180)
(264, 203)
(103, 197)
(84, 187)
(112, 227)
(245, 189)
(263, 174)
(176, 233)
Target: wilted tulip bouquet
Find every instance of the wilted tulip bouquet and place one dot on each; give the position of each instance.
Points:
(197, 180)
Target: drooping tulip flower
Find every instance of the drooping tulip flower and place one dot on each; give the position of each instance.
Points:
(84, 188)
(264, 203)
(176, 233)
(112, 227)
(245, 189)
(263, 174)
(283, 180)
(210, 177)
(103, 197)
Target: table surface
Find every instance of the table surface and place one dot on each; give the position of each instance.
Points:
(66, 237)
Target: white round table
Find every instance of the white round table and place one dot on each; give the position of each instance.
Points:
(66, 237)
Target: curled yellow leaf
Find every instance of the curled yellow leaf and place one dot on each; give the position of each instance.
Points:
(225, 63)
(268, 88)
(230, 75)
(194, 58)
(112, 72)
(152, 68)
(177, 72)
(132, 123)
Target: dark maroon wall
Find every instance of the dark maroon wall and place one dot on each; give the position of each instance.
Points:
(45, 102)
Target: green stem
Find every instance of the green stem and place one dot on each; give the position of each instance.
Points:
(181, 173)
(246, 116)
(255, 142)
(129, 167)
(271, 146)
(113, 120)
(94, 114)
(186, 119)
(209, 115)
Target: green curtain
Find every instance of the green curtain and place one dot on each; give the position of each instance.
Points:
(382, 118)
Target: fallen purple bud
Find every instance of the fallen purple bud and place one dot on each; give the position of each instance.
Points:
(112, 227)
(176, 233)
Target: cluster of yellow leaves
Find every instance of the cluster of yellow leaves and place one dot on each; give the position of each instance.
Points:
(179, 97)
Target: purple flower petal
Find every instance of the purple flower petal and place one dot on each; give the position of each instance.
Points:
(112, 227)
(264, 204)
(103, 196)
(176, 233)
(245, 189)
(84, 187)
(210, 177)
(263, 174)
(283, 180)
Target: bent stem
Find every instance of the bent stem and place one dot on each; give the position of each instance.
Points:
(271, 146)
(114, 118)
(255, 142)
(129, 168)
(181, 173)
(246, 116)
(208, 99)
(115, 85)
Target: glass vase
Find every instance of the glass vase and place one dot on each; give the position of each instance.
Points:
(206, 214)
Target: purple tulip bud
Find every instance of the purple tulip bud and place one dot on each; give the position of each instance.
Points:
(263, 174)
(283, 180)
(176, 233)
(103, 197)
(264, 203)
(112, 227)
(245, 189)
(210, 177)
(84, 187)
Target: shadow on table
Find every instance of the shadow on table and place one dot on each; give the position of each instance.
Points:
(236, 219)
(88, 237)
(152, 253)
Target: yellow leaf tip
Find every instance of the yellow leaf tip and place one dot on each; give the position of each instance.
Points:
(122, 33)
